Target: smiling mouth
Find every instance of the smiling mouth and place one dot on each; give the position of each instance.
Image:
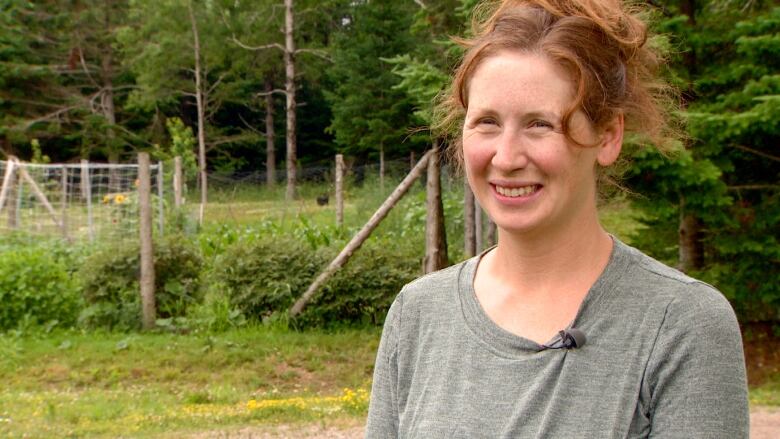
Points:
(516, 192)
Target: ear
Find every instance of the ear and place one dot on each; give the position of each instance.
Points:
(611, 141)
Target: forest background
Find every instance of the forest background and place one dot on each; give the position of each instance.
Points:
(257, 97)
(105, 79)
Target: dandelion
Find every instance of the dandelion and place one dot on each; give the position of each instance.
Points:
(106, 199)
(119, 199)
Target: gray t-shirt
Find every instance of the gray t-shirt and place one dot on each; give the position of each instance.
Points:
(663, 358)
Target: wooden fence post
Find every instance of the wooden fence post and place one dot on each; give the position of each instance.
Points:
(356, 241)
(177, 182)
(147, 250)
(435, 235)
(339, 190)
(160, 201)
(469, 237)
(9, 172)
(14, 202)
(477, 227)
(492, 235)
(64, 183)
(86, 192)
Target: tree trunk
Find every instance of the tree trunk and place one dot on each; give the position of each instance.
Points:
(177, 182)
(435, 234)
(381, 168)
(289, 68)
(339, 190)
(107, 104)
(469, 237)
(270, 150)
(201, 115)
(691, 250)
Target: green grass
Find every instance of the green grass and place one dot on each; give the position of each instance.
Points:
(142, 385)
(768, 393)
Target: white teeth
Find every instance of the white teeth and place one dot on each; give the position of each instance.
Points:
(516, 191)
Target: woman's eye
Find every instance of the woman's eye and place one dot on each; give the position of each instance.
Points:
(540, 124)
(487, 121)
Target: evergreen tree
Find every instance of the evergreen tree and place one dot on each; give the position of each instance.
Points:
(726, 181)
(370, 116)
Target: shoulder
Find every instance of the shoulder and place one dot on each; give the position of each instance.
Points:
(685, 298)
(429, 297)
(433, 287)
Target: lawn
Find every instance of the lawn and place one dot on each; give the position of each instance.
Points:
(73, 384)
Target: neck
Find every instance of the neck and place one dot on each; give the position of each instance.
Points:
(544, 262)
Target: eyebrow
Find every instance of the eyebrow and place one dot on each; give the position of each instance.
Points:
(536, 114)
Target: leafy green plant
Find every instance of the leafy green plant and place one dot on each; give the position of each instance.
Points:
(35, 289)
(111, 286)
(263, 276)
(362, 291)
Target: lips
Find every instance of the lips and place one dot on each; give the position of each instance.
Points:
(516, 192)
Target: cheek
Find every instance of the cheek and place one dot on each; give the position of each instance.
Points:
(476, 156)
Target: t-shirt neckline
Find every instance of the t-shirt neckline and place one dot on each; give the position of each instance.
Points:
(505, 343)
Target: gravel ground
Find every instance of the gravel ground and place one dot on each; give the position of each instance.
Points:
(764, 424)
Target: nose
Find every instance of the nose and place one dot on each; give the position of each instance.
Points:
(510, 152)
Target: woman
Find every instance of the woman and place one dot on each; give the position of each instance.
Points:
(561, 330)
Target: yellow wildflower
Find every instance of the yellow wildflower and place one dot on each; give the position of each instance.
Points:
(106, 199)
(119, 199)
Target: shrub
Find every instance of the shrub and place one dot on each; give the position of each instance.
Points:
(35, 287)
(263, 278)
(362, 291)
(110, 280)
(265, 275)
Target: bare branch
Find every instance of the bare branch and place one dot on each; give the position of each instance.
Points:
(83, 63)
(256, 48)
(229, 139)
(216, 83)
(266, 93)
(759, 153)
(317, 52)
(50, 116)
(250, 127)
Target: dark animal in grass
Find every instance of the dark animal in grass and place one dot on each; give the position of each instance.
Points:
(322, 200)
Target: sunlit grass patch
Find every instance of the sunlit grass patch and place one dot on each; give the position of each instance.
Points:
(767, 393)
(111, 385)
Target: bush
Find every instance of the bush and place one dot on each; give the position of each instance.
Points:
(35, 288)
(263, 278)
(265, 275)
(362, 291)
(110, 280)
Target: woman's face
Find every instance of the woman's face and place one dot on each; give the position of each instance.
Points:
(521, 167)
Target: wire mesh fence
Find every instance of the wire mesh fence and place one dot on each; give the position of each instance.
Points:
(99, 201)
(93, 201)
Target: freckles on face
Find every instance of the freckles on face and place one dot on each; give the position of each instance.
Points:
(518, 162)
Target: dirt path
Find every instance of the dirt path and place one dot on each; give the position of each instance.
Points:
(764, 424)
